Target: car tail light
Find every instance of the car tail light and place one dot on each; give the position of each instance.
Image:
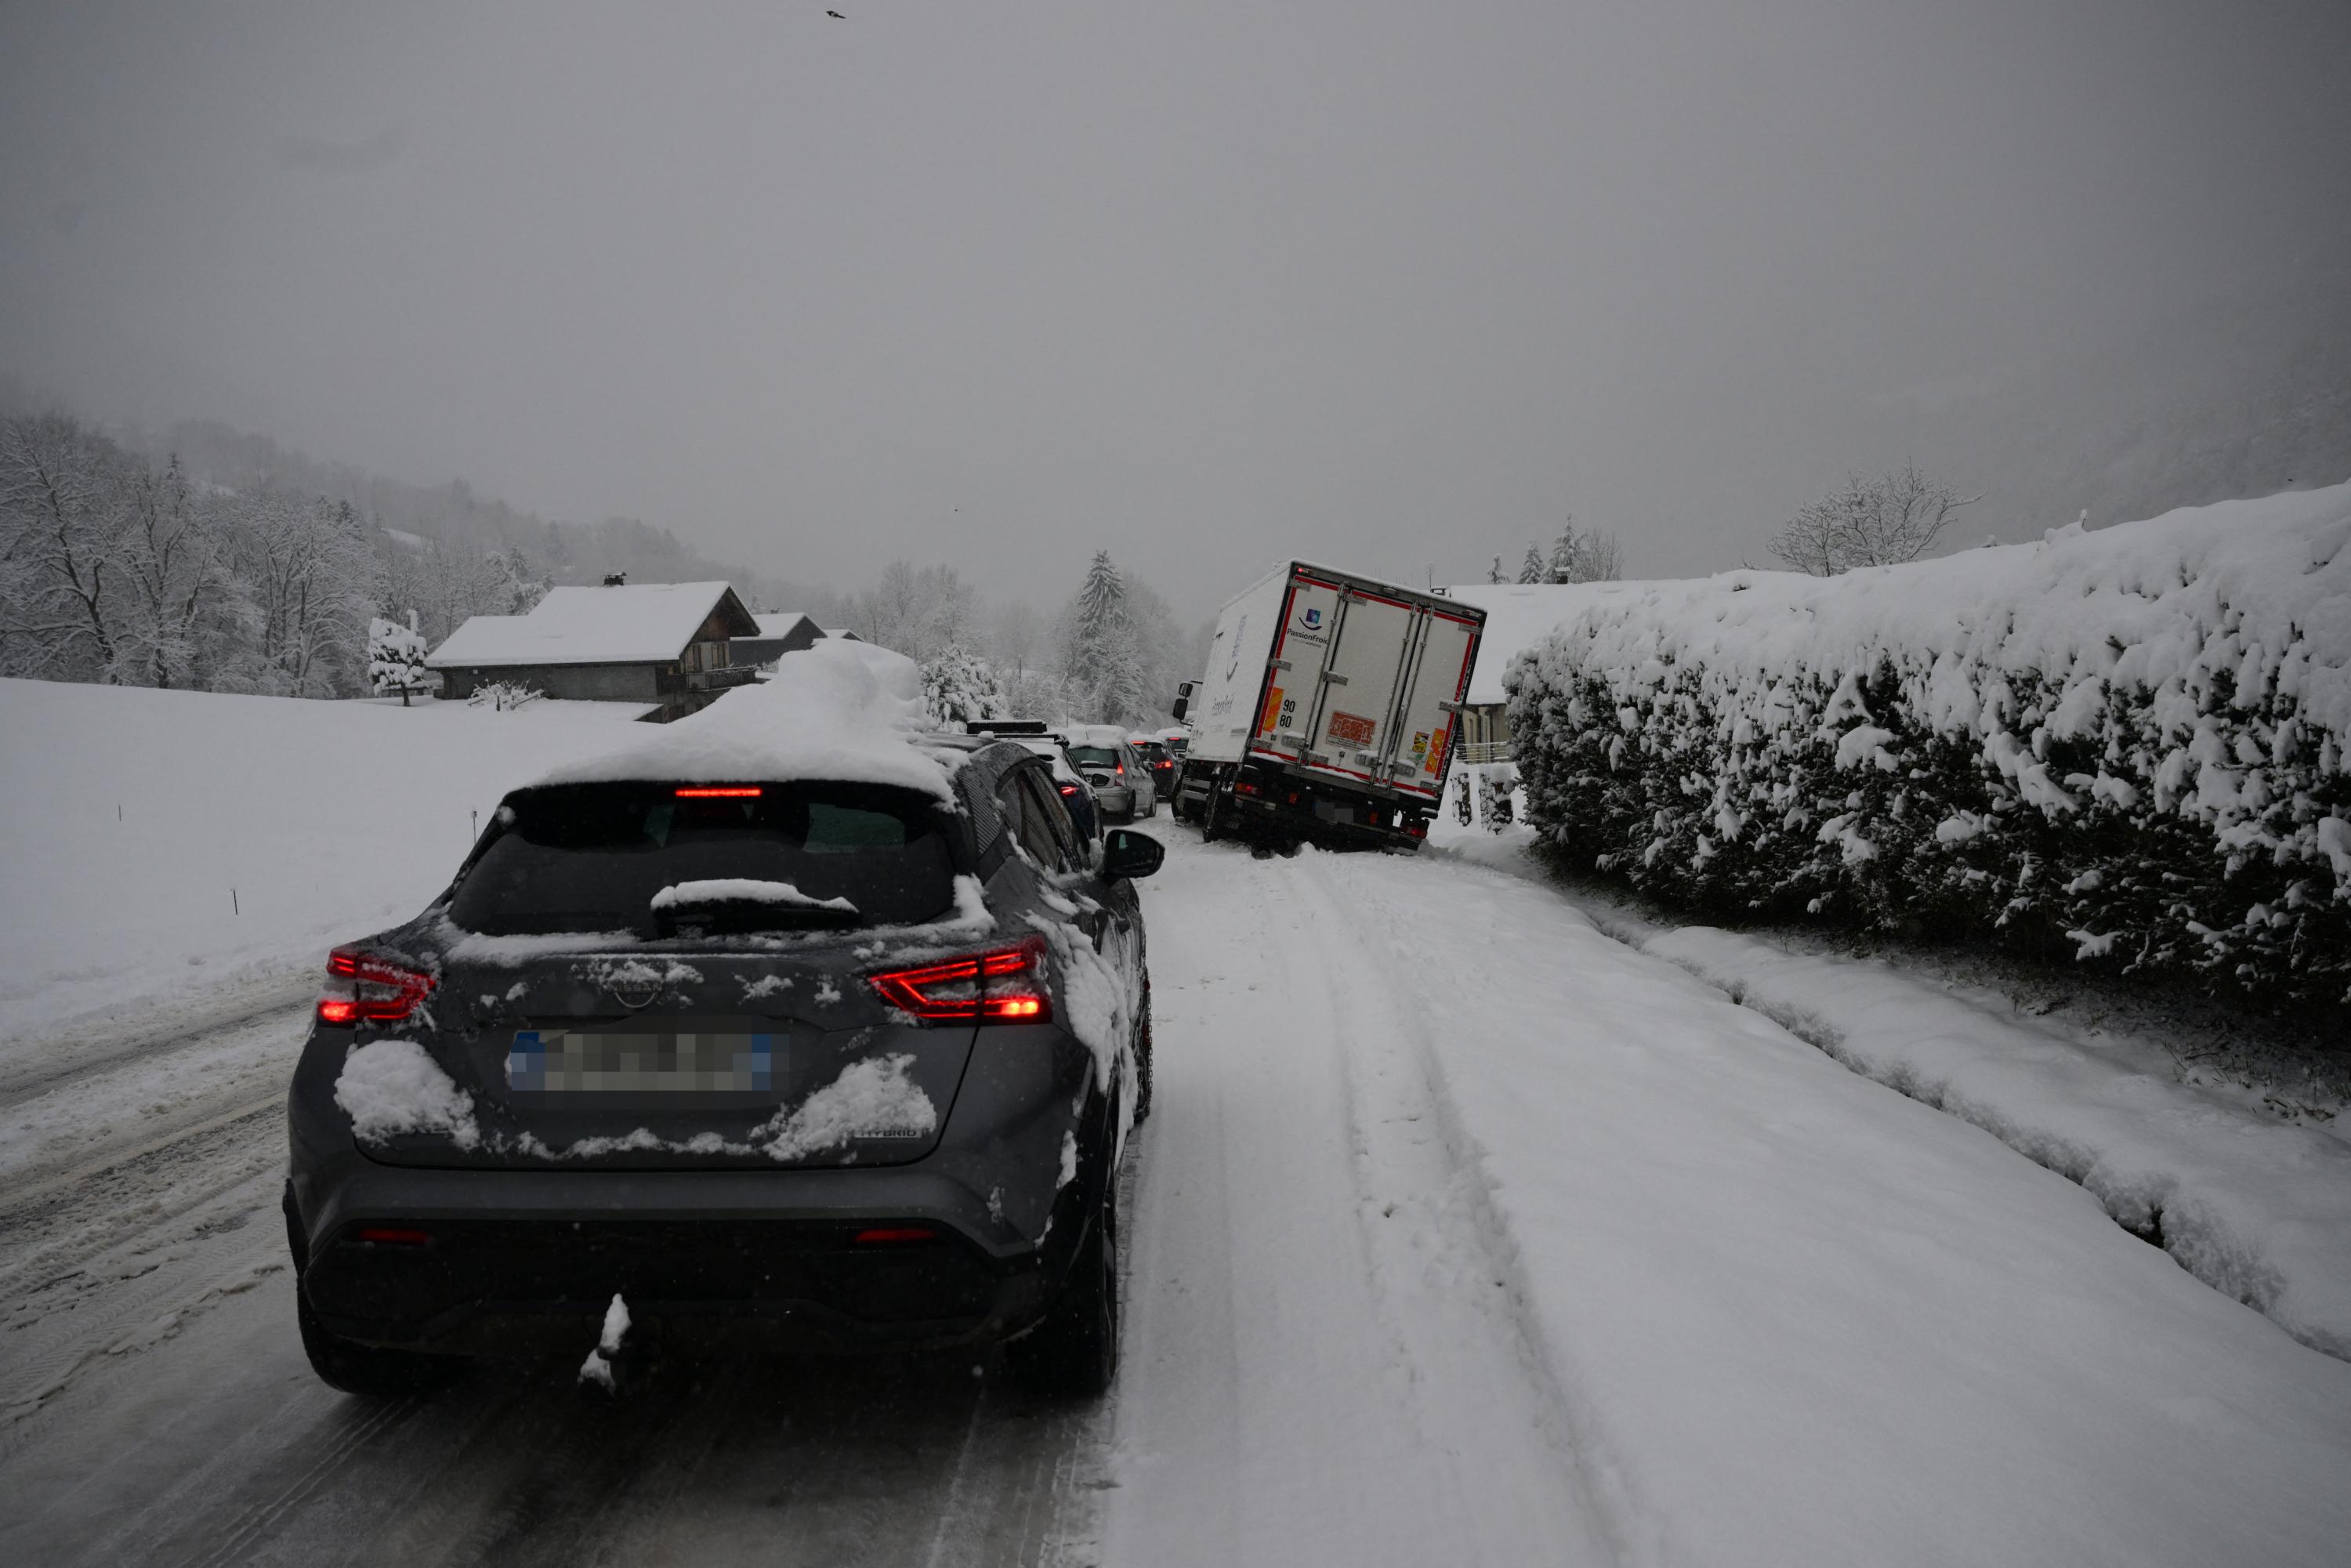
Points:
(1417, 828)
(1003, 984)
(895, 1236)
(720, 792)
(395, 1235)
(363, 986)
(1069, 790)
(1243, 787)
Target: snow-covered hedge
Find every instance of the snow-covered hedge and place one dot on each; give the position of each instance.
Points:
(2137, 740)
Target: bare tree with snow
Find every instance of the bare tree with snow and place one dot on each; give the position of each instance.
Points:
(1582, 555)
(1880, 521)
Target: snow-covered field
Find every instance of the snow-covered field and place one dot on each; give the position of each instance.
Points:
(1460, 1232)
(161, 843)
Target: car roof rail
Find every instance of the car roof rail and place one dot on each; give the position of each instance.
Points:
(1004, 726)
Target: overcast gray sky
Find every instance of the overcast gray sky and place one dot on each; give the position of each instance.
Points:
(995, 282)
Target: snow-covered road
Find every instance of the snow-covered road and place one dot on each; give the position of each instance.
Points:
(1460, 1233)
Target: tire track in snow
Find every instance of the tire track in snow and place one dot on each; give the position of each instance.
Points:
(1299, 1391)
(1448, 1277)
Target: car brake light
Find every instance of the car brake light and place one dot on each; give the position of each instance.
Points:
(1417, 828)
(726, 792)
(1003, 984)
(364, 986)
(385, 1235)
(1243, 787)
(1069, 789)
(895, 1236)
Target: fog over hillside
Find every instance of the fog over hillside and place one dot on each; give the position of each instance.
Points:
(2244, 393)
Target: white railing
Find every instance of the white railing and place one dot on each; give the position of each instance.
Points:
(1480, 752)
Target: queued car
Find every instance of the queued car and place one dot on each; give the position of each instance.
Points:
(1122, 783)
(840, 1034)
(1075, 792)
(1158, 762)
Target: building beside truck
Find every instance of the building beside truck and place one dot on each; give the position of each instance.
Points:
(1517, 616)
(1329, 709)
(667, 644)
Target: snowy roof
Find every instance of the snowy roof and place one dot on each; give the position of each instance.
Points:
(1517, 616)
(635, 623)
(835, 710)
(776, 625)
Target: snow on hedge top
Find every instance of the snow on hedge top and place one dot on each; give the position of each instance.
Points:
(623, 624)
(2258, 590)
(838, 710)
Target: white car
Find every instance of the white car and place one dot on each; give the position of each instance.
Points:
(1121, 781)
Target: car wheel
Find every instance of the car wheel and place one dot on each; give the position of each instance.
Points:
(1074, 1351)
(1142, 1060)
(365, 1369)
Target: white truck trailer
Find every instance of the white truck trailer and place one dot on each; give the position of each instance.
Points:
(1328, 710)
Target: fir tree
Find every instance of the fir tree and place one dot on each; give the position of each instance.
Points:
(1531, 568)
(959, 686)
(1100, 656)
(395, 656)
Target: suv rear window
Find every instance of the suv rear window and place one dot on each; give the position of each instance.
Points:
(1094, 755)
(591, 857)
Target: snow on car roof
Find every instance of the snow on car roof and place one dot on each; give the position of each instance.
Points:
(631, 624)
(1048, 748)
(838, 710)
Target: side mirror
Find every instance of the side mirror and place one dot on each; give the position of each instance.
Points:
(1127, 853)
(1183, 691)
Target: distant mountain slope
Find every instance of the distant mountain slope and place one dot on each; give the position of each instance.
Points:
(453, 518)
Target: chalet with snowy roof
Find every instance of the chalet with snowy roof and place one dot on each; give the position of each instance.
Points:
(665, 643)
(1517, 616)
(779, 634)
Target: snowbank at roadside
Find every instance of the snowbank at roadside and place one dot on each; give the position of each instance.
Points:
(161, 843)
(2256, 1208)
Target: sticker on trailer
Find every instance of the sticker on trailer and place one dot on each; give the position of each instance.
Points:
(1435, 752)
(1420, 744)
(1275, 709)
(1353, 728)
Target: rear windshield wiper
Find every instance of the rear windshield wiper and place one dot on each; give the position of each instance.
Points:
(741, 904)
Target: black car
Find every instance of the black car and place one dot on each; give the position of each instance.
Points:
(848, 1059)
(1160, 763)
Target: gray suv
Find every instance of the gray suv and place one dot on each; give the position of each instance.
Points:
(837, 1057)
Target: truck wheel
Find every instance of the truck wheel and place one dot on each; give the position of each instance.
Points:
(365, 1369)
(1074, 1351)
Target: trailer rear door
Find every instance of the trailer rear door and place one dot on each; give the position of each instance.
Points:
(1353, 731)
(1426, 728)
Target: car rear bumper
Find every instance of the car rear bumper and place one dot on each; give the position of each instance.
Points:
(487, 1262)
(504, 1254)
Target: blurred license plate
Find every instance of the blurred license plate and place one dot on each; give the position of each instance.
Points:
(664, 1062)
